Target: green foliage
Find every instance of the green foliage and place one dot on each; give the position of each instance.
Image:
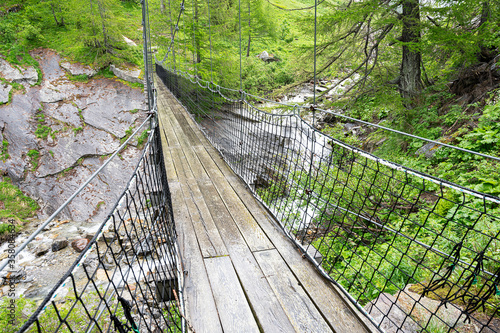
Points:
(79, 78)
(23, 307)
(4, 152)
(77, 130)
(142, 138)
(16, 203)
(128, 133)
(34, 156)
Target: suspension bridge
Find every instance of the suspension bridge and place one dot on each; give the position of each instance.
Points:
(241, 220)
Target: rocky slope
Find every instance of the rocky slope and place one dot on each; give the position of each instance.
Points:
(57, 133)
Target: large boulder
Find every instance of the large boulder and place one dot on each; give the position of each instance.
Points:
(127, 74)
(264, 56)
(78, 69)
(26, 76)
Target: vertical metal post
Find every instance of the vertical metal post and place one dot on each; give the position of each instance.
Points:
(146, 56)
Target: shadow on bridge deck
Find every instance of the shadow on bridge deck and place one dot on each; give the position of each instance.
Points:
(241, 273)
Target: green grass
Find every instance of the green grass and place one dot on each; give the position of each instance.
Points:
(142, 138)
(34, 156)
(4, 152)
(16, 204)
(77, 130)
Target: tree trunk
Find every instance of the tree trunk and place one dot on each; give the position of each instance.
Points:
(102, 14)
(162, 6)
(486, 53)
(410, 84)
(196, 39)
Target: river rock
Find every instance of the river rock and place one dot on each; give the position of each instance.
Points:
(42, 249)
(78, 69)
(15, 275)
(59, 244)
(127, 74)
(79, 244)
(4, 92)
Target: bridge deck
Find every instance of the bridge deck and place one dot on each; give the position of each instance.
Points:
(241, 273)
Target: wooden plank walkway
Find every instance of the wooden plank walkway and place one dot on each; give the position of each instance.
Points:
(241, 273)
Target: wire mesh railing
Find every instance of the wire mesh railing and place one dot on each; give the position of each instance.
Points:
(415, 252)
(128, 278)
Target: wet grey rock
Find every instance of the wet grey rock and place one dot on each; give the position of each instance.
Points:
(4, 92)
(30, 76)
(110, 108)
(42, 249)
(59, 244)
(50, 93)
(129, 75)
(49, 64)
(78, 69)
(85, 206)
(8, 72)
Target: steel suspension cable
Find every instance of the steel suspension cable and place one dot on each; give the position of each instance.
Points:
(239, 22)
(195, 53)
(210, 39)
(315, 40)
(186, 68)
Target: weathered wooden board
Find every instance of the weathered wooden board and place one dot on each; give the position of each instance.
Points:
(267, 309)
(234, 311)
(198, 298)
(256, 239)
(300, 309)
(210, 242)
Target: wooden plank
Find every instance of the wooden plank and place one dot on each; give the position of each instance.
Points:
(268, 310)
(166, 127)
(209, 240)
(198, 299)
(256, 239)
(193, 139)
(300, 309)
(234, 312)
